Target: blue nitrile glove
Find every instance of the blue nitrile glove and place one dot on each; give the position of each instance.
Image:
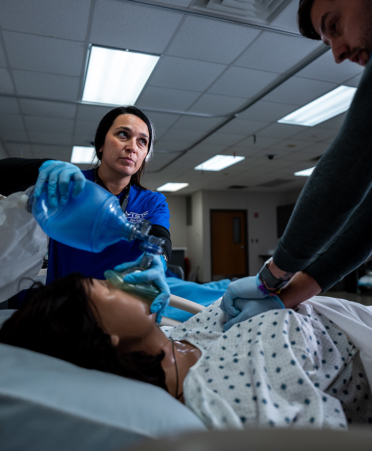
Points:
(154, 274)
(252, 307)
(59, 174)
(246, 288)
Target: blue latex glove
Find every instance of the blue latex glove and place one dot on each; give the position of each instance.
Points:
(59, 174)
(252, 307)
(154, 274)
(246, 288)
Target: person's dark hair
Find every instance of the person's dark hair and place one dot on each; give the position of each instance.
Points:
(105, 125)
(59, 320)
(305, 25)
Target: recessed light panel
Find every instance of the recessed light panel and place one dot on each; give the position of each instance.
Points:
(117, 77)
(83, 155)
(305, 173)
(172, 187)
(218, 163)
(330, 105)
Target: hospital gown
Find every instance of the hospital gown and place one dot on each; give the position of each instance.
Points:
(284, 368)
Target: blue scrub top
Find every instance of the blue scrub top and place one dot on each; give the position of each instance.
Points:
(142, 204)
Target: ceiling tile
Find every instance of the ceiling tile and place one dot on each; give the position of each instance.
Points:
(275, 52)
(57, 18)
(167, 99)
(243, 126)
(87, 128)
(299, 91)
(280, 131)
(187, 137)
(48, 109)
(333, 124)
(354, 82)
(50, 138)
(205, 124)
(217, 104)
(19, 136)
(2, 57)
(209, 150)
(266, 111)
(314, 134)
(224, 139)
(171, 146)
(81, 140)
(241, 82)
(11, 122)
(53, 152)
(18, 150)
(117, 24)
(325, 68)
(92, 112)
(41, 54)
(181, 73)
(287, 18)
(6, 85)
(46, 85)
(163, 120)
(211, 40)
(261, 142)
(9, 105)
(48, 124)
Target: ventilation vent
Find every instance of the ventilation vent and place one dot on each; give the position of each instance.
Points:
(237, 187)
(274, 183)
(261, 10)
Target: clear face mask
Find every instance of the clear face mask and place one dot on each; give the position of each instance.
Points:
(144, 290)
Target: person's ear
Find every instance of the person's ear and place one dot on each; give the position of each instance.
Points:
(114, 340)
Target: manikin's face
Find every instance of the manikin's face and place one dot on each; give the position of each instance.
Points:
(124, 315)
(345, 25)
(126, 145)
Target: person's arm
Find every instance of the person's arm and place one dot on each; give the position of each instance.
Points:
(161, 232)
(340, 182)
(18, 174)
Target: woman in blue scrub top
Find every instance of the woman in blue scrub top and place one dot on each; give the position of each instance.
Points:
(123, 145)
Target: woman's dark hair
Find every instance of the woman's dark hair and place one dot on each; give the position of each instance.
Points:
(106, 123)
(304, 20)
(59, 320)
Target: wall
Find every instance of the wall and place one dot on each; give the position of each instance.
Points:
(262, 232)
(3, 152)
(178, 231)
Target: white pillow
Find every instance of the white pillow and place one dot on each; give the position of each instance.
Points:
(48, 404)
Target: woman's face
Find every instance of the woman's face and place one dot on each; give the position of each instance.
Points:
(122, 314)
(126, 145)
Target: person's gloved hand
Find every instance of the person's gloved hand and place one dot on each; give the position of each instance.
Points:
(252, 307)
(246, 288)
(59, 174)
(154, 274)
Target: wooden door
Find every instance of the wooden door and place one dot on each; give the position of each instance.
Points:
(229, 244)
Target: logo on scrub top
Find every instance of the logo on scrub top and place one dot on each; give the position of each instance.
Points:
(135, 218)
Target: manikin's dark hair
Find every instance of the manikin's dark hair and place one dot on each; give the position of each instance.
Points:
(304, 20)
(106, 123)
(59, 320)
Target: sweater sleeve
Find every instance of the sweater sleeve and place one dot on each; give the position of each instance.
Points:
(347, 251)
(18, 174)
(339, 184)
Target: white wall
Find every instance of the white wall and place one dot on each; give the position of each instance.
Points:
(178, 231)
(262, 232)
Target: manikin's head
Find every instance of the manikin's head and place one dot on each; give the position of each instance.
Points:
(345, 25)
(89, 323)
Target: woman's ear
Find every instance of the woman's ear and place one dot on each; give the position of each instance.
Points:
(114, 340)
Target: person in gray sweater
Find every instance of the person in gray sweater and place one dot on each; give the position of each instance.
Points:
(329, 233)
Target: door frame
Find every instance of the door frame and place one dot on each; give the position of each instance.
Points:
(245, 232)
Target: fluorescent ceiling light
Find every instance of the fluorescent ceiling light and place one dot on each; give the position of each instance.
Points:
(117, 77)
(172, 186)
(218, 162)
(305, 173)
(322, 109)
(83, 155)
